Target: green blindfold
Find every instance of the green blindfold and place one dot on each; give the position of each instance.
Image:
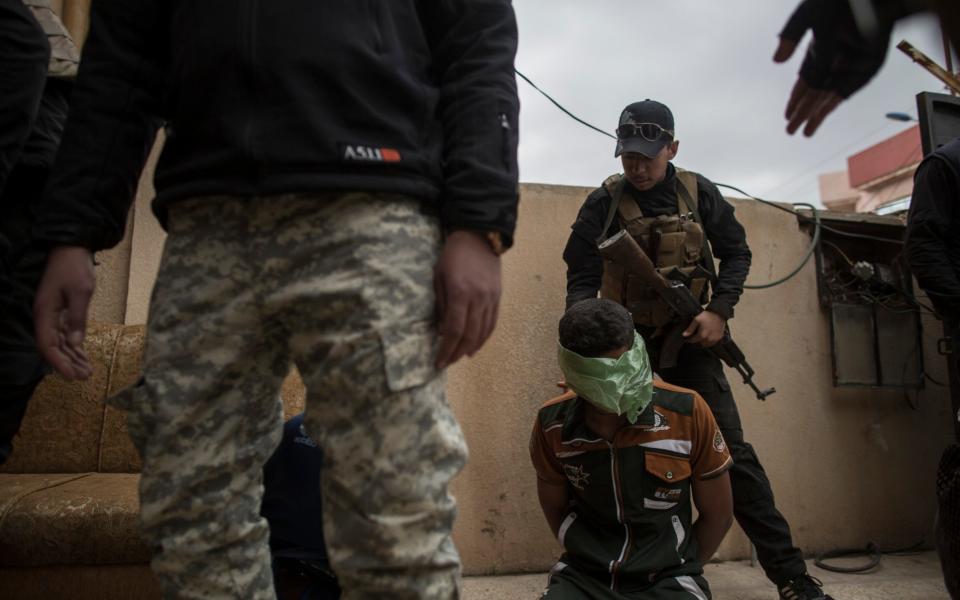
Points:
(619, 385)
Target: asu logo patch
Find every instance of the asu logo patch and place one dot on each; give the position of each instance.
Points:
(371, 154)
(718, 444)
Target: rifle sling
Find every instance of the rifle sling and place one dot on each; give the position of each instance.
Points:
(683, 192)
(616, 195)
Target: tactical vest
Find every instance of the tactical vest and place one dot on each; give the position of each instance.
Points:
(64, 56)
(675, 244)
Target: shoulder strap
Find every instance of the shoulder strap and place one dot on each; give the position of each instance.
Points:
(688, 195)
(629, 211)
(614, 187)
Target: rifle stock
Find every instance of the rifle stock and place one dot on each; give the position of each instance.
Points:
(622, 249)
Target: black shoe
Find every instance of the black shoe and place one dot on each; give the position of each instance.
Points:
(803, 587)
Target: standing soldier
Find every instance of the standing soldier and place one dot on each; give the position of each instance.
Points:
(682, 221)
(38, 63)
(337, 184)
(933, 251)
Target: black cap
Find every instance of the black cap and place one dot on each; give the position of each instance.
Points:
(647, 111)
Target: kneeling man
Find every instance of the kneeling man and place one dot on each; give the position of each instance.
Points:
(620, 461)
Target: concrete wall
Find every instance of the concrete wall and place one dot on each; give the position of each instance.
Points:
(848, 465)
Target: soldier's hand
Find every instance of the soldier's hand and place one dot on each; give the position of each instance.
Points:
(60, 310)
(840, 59)
(705, 329)
(466, 281)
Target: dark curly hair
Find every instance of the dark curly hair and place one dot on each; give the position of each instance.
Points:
(596, 326)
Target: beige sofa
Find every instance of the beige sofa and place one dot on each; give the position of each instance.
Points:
(68, 494)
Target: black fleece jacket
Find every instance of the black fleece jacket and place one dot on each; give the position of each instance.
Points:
(933, 229)
(24, 55)
(416, 97)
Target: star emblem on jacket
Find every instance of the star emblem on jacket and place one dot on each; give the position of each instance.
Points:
(577, 476)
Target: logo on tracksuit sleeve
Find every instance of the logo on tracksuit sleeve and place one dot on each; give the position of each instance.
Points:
(718, 444)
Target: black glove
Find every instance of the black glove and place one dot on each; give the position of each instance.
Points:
(846, 52)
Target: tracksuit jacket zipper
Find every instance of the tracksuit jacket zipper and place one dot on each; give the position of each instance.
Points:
(618, 500)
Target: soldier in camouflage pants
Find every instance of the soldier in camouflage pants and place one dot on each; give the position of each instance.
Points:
(313, 154)
(340, 285)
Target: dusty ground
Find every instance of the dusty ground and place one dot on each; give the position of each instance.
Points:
(915, 577)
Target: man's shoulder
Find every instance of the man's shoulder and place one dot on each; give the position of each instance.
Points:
(705, 185)
(945, 158)
(555, 409)
(598, 196)
(593, 213)
(951, 149)
(685, 172)
(674, 398)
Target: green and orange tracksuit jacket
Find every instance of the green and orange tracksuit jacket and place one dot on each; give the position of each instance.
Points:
(629, 522)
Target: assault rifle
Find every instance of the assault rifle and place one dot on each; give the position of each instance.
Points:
(622, 249)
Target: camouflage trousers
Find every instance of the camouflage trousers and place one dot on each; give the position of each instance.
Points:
(340, 285)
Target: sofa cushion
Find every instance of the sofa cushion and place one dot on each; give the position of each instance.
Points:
(117, 454)
(293, 393)
(61, 430)
(72, 519)
(69, 429)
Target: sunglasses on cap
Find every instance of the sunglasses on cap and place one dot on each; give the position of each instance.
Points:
(648, 131)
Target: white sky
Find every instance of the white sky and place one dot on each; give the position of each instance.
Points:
(710, 62)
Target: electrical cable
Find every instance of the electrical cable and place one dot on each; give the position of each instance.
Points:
(767, 202)
(818, 226)
(871, 551)
(810, 250)
(915, 403)
(813, 246)
(839, 251)
(560, 106)
(815, 215)
(609, 135)
(919, 304)
(736, 189)
(807, 219)
(760, 200)
(932, 380)
(861, 236)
